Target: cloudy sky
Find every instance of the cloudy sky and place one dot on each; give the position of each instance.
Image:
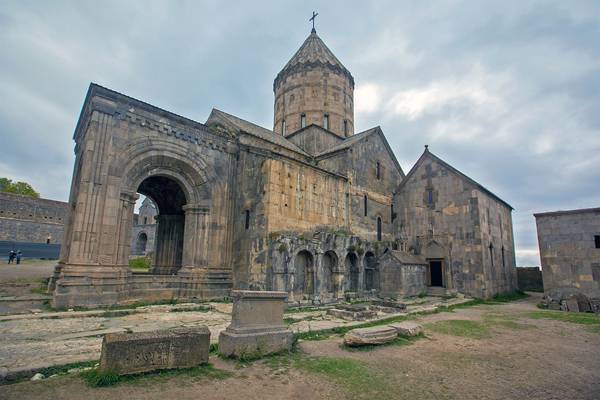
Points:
(508, 92)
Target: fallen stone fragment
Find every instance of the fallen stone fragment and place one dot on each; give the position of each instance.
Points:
(370, 336)
(37, 377)
(407, 328)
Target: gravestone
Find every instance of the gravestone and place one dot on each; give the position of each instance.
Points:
(130, 353)
(257, 326)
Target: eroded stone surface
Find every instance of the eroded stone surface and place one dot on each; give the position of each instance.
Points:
(369, 336)
(129, 353)
(407, 328)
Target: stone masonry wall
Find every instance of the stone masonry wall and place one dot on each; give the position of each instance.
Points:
(448, 228)
(568, 253)
(27, 219)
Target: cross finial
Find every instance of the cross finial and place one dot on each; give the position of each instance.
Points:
(426, 147)
(314, 15)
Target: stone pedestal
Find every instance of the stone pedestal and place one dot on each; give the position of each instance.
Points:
(257, 326)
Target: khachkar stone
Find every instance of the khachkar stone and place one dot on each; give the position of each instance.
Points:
(130, 353)
(257, 326)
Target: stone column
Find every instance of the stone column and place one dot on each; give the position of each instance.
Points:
(125, 223)
(195, 240)
(169, 244)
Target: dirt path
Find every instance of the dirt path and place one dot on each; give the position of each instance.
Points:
(500, 352)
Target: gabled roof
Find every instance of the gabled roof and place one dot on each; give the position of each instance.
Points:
(427, 154)
(354, 139)
(238, 124)
(406, 258)
(313, 52)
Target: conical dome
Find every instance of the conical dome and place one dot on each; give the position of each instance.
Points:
(314, 88)
(313, 53)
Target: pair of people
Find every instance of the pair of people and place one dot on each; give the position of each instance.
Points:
(12, 255)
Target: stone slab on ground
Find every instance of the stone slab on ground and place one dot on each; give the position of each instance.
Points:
(369, 336)
(407, 328)
(130, 353)
(352, 315)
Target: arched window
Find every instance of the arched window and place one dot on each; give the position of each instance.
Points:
(492, 253)
(378, 170)
(379, 229)
(283, 127)
(365, 201)
(302, 120)
(503, 263)
(247, 219)
(326, 121)
(345, 127)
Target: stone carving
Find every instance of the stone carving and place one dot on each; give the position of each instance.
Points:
(130, 353)
(257, 326)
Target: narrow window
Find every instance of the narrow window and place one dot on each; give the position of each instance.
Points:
(392, 213)
(492, 253)
(326, 121)
(503, 264)
(379, 229)
(302, 120)
(283, 127)
(429, 196)
(247, 219)
(597, 240)
(365, 201)
(378, 170)
(345, 127)
(145, 220)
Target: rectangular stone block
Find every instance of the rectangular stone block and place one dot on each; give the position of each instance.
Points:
(257, 326)
(130, 353)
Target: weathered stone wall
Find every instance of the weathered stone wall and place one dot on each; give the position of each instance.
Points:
(498, 245)
(449, 228)
(27, 219)
(568, 250)
(315, 92)
(530, 278)
(359, 163)
(401, 280)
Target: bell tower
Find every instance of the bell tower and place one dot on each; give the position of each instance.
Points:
(314, 88)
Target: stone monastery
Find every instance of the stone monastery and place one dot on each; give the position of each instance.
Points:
(310, 207)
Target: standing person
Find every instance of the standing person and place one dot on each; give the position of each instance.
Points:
(19, 256)
(11, 256)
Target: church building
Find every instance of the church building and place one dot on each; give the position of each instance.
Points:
(310, 207)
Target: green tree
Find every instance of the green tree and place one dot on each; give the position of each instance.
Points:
(24, 188)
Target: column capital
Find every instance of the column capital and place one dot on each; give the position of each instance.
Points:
(196, 208)
(130, 197)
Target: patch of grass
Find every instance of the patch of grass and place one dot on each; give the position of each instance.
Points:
(43, 289)
(295, 310)
(95, 378)
(139, 263)
(592, 321)
(399, 341)
(460, 327)
(358, 378)
(62, 369)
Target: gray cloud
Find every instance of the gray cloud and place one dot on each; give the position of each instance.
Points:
(507, 92)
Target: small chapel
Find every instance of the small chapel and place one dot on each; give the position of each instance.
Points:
(310, 207)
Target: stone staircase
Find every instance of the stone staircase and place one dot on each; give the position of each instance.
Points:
(437, 291)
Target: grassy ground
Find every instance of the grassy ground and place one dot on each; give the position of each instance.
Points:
(592, 321)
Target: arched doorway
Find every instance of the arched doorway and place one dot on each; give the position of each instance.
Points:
(330, 261)
(371, 273)
(141, 243)
(304, 278)
(353, 271)
(169, 198)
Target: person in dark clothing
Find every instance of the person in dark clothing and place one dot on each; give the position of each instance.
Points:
(11, 256)
(19, 254)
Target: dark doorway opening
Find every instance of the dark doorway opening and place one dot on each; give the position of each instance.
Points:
(435, 271)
